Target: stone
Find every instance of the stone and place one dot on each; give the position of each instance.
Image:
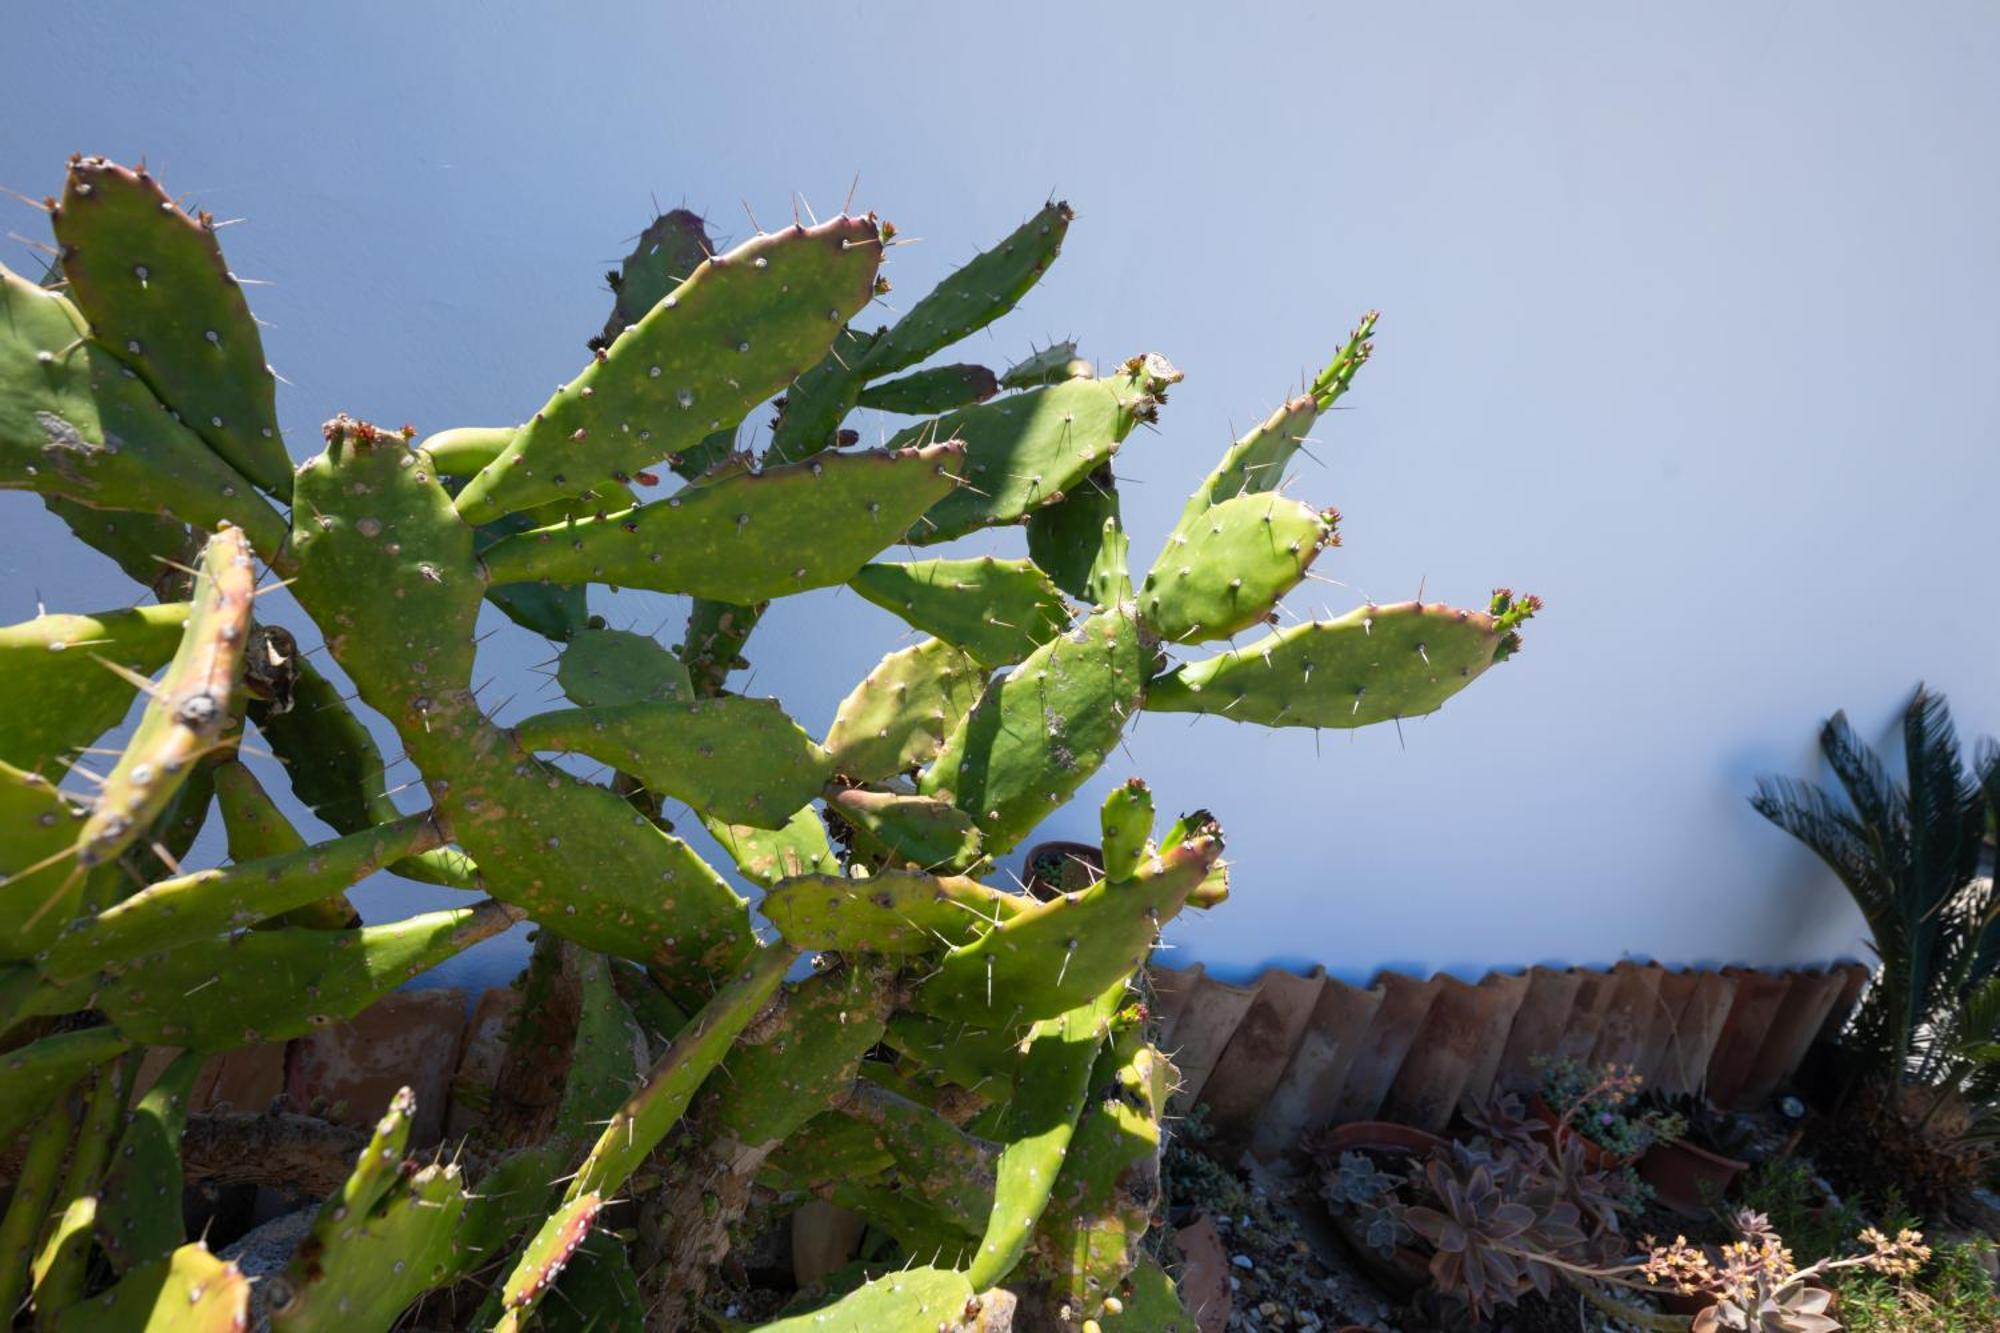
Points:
(347, 1072)
(1205, 1281)
(484, 1051)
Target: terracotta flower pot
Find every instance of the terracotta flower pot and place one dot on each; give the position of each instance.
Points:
(1595, 1155)
(1409, 1268)
(1684, 1176)
(1055, 868)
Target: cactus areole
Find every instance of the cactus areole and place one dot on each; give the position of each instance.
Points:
(892, 1028)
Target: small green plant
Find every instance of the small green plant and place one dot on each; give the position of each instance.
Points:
(1953, 1293)
(1601, 1103)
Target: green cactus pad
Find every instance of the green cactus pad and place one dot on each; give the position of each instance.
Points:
(152, 281)
(1228, 569)
(37, 1176)
(367, 1268)
(542, 1261)
(741, 327)
(656, 1107)
(980, 1059)
(765, 856)
(1051, 957)
(936, 1161)
(39, 888)
(75, 423)
(1150, 1303)
(999, 611)
(608, 1055)
(1038, 734)
(671, 248)
(746, 538)
(256, 828)
(1037, 1126)
(1052, 365)
(1371, 665)
(139, 1210)
(553, 610)
(191, 907)
(1067, 538)
(33, 1076)
(1109, 1190)
(740, 760)
(49, 660)
(1026, 450)
(1257, 461)
(607, 667)
(331, 760)
(1126, 824)
(189, 1291)
(919, 831)
(145, 546)
(977, 293)
(971, 298)
(463, 450)
(892, 911)
(911, 1300)
(896, 720)
(935, 389)
(386, 567)
(597, 1293)
(774, 1084)
(831, 1146)
(189, 708)
(268, 985)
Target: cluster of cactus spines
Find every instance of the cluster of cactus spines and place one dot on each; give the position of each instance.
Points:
(964, 1065)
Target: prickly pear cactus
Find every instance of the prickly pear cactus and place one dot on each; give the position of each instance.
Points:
(893, 1030)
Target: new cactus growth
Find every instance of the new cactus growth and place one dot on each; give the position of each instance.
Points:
(961, 1063)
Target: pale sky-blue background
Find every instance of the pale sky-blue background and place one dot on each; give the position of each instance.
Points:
(1689, 326)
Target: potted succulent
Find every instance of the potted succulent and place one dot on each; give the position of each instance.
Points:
(1054, 868)
(1598, 1104)
(1692, 1171)
(1484, 1219)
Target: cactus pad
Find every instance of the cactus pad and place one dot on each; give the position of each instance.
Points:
(49, 659)
(741, 327)
(910, 1300)
(154, 285)
(190, 706)
(607, 667)
(1025, 450)
(75, 423)
(998, 611)
(906, 830)
(740, 760)
(923, 393)
(892, 911)
(1229, 568)
(268, 985)
(1037, 735)
(895, 720)
(1052, 956)
(189, 1291)
(745, 538)
(1126, 825)
(1371, 665)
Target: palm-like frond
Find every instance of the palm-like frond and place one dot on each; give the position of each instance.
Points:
(1908, 853)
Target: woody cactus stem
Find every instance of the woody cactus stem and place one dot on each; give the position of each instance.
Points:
(963, 1065)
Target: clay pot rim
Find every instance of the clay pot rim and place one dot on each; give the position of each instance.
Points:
(1379, 1136)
